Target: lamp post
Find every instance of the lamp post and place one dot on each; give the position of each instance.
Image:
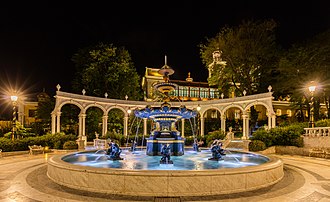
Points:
(311, 89)
(14, 101)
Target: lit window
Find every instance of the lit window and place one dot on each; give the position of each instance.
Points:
(278, 112)
(289, 112)
(193, 92)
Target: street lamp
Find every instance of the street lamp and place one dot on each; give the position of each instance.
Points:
(14, 99)
(312, 89)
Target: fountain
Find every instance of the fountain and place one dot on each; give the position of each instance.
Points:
(196, 145)
(178, 172)
(166, 152)
(113, 152)
(165, 117)
(217, 152)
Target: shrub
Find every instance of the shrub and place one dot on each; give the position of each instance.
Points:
(55, 141)
(263, 135)
(189, 140)
(70, 145)
(288, 135)
(322, 123)
(282, 136)
(257, 145)
(215, 135)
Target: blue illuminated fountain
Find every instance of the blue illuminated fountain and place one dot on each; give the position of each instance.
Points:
(165, 117)
(202, 172)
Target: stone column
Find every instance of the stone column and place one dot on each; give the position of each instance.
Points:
(53, 122)
(145, 126)
(182, 127)
(223, 122)
(125, 125)
(104, 125)
(83, 126)
(202, 126)
(80, 125)
(245, 126)
(273, 120)
(58, 122)
(269, 120)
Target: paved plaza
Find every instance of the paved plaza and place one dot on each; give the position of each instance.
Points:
(23, 178)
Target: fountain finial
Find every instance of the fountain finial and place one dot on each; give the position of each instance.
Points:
(166, 70)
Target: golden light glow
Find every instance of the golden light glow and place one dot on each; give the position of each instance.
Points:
(312, 88)
(129, 111)
(14, 98)
(198, 108)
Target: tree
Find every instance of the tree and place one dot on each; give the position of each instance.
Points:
(250, 53)
(299, 65)
(104, 68)
(101, 69)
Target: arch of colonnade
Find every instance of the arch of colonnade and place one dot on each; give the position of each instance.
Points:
(105, 104)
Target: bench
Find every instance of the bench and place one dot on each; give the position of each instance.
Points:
(35, 149)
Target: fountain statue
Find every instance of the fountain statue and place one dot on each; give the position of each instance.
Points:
(196, 145)
(165, 117)
(133, 146)
(217, 151)
(166, 155)
(113, 152)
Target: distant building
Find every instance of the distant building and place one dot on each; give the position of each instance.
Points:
(188, 90)
(27, 108)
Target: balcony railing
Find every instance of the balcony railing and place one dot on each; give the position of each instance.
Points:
(317, 132)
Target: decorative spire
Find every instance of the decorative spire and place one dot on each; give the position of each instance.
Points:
(166, 71)
(188, 78)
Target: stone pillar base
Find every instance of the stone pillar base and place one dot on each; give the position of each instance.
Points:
(81, 144)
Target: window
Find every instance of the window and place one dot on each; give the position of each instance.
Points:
(32, 112)
(278, 112)
(193, 92)
(204, 92)
(183, 91)
(289, 112)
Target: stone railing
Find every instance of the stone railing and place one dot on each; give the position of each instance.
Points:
(317, 132)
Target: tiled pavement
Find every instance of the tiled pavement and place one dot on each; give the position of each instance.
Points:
(23, 178)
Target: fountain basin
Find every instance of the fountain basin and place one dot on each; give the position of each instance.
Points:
(164, 182)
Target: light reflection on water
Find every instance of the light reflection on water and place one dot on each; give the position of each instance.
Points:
(189, 161)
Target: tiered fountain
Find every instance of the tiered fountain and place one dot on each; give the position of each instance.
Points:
(165, 117)
(193, 173)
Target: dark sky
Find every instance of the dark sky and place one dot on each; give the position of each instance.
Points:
(37, 40)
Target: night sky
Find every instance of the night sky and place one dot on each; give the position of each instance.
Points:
(37, 41)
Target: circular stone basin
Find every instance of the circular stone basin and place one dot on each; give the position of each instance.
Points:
(140, 175)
